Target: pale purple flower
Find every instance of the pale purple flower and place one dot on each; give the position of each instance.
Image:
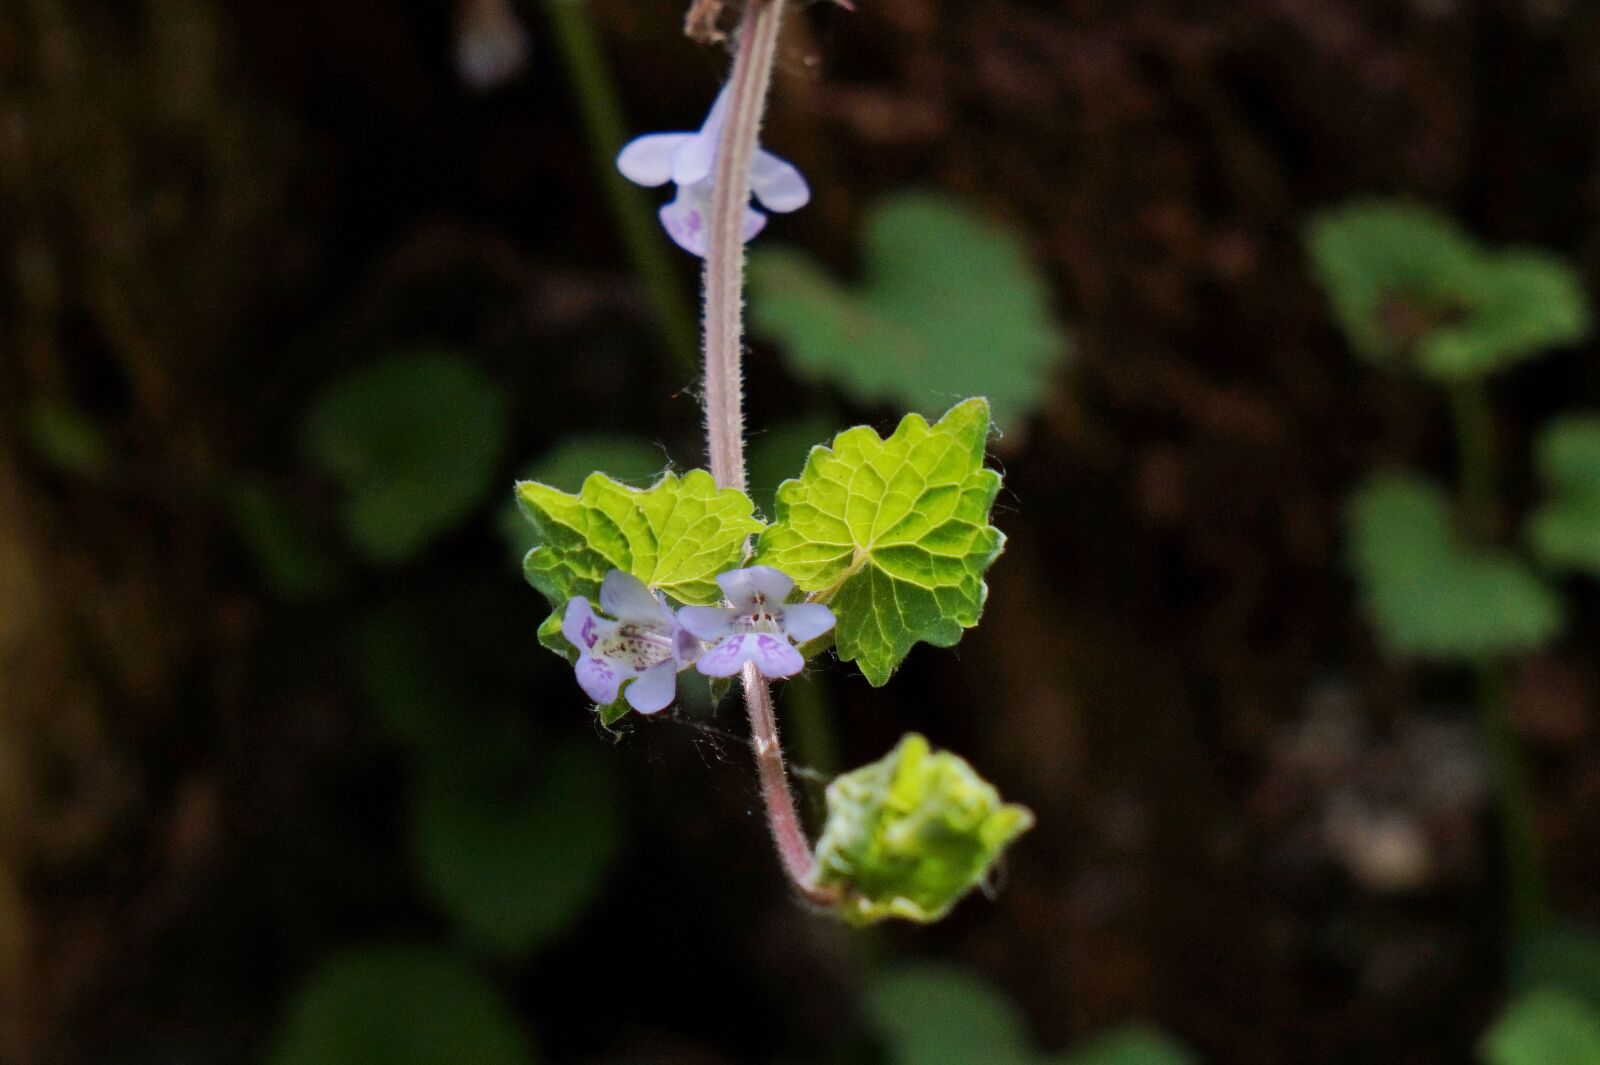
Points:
(644, 647)
(689, 161)
(759, 627)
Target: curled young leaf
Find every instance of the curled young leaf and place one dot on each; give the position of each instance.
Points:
(909, 835)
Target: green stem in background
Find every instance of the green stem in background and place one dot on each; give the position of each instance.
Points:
(1475, 453)
(1512, 783)
(1510, 777)
(598, 98)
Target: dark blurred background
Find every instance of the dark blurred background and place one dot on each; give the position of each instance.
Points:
(238, 740)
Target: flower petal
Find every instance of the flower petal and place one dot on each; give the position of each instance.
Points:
(777, 183)
(685, 646)
(807, 621)
(654, 689)
(774, 656)
(580, 625)
(685, 222)
(742, 586)
(647, 160)
(754, 222)
(692, 163)
(708, 623)
(697, 157)
(599, 679)
(726, 658)
(624, 597)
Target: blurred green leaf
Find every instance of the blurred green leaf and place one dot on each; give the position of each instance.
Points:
(949, 306)
(67, 439)
(929, 1014)
(1543, 1028)
(628, 460)
(405, 684)
(414, 442)
(1562, 958)
(911, 834)
(1134, 1045)
(779, 453)
(291, 560)
(514, 861)
(1405, 280)
(398, 1006)
(943, 1015)
(1431, 595)
(1564, 531)
(894, 534)
(675, 536)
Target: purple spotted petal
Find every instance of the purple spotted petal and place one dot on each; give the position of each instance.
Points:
(806, 621)
(654, 689)
(685, 220)
(773, 655)
(742, 586)
(708, 623)
(685, 647)
(725, 659)
(599, 679)
(582, 627)
(624, 597)
(777, 184)
(648, 160)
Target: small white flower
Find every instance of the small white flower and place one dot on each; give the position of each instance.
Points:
(689, 161)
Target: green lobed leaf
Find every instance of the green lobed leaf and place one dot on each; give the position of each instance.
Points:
(893, 534)
(949, 306)
(1564, 532)
(1431, 595)
(911, 834)
(1543, 1028)
(514, 862)
(675, 536)
(631, 460)
(413, 442)
(931, 1014)
(1405, 281)
(398, 1006)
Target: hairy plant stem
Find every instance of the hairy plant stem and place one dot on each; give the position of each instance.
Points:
(724, 389)
(1510, 777)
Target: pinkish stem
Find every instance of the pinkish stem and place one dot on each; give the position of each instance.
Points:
(724, 390)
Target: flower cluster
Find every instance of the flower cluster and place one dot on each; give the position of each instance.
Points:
(644, 644)
(689, 161)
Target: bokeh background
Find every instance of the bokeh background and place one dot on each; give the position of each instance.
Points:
(292, 292)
